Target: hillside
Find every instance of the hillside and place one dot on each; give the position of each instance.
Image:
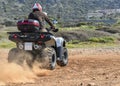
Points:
(64, 10)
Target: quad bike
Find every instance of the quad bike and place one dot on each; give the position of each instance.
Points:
(33, 45)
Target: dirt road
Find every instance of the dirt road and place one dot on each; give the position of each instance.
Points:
(86, 67)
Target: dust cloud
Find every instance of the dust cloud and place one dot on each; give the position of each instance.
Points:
(13, 73)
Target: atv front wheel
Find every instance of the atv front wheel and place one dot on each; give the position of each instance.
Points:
(64, 60)
(51, 54)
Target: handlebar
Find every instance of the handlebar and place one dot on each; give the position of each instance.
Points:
(51, 29)
(55, 30)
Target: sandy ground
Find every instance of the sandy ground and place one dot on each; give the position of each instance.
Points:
(86, 67)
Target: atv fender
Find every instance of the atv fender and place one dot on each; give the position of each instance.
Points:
(59, 41)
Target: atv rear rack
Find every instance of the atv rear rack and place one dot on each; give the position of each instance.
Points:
(29, 37)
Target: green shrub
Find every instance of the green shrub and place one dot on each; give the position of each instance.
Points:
(0, 37)
(82, 35)
(94, 39)
(110, 30)
(108, 39)
(87, 27)
(9, 23)
(74, 42)
(81, 23)
(7, 44)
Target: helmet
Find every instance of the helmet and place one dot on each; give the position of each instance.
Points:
(37, 6)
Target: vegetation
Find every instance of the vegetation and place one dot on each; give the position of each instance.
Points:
(75, 37)
(65, 11)
(109, 39)
(7, 44)
(91, 45)
(70, 14)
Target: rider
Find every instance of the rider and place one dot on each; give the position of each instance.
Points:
(37, 14)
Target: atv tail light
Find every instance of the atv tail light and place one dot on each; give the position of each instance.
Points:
(15, 36)
(39, 42)
(42, 36)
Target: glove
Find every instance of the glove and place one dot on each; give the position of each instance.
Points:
(55, 30)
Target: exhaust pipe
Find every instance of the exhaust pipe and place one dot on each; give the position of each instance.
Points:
(36, 47)
(20, 46)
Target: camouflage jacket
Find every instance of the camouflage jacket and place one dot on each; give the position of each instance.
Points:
(41, 17)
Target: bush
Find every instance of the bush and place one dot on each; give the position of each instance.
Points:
(81, 23)
(110, 30)
(9, 23)
(74, 42)
(87, 27)
(0, 37)
(103, 39)
(6, 44)
(81, 35)
(2, 26)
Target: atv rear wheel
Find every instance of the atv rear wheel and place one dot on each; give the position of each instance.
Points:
(15, 55)
(64, 60)
(48, 56)
(18, 56)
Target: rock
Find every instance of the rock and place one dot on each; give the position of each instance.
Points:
(93, 78)
(107, 77)
(91, 84)
(81, 84)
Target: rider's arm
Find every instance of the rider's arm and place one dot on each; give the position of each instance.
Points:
(30, 16)
(49, 22)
